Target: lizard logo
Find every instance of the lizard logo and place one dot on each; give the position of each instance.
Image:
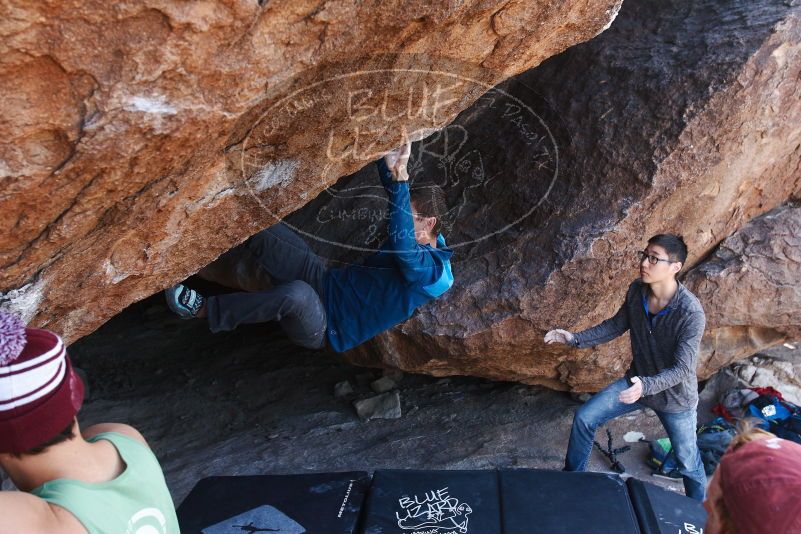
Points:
(435, 513)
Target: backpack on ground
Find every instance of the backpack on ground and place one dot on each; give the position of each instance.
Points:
(662, 459)
(713, 440)
(777, 416)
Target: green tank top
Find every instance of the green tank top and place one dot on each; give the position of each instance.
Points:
(136, 502)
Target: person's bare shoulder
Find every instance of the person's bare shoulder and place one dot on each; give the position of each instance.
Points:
(119, 428)
(23, 512)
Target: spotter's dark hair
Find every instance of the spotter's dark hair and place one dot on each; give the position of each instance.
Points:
(673, 244)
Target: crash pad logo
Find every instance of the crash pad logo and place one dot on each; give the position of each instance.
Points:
(262, 519)
(435, 513)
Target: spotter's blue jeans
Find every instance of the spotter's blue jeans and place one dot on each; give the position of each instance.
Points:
(606, 406)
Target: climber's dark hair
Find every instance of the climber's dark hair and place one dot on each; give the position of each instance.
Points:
(429, 201)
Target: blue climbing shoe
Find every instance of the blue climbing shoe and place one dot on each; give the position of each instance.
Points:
(185, 302)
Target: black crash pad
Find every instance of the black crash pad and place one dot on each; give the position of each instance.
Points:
(660, 511)
(555, 501)
(326, 503)
(433, 502)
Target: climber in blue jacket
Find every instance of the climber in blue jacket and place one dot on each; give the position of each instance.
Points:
(349, 305)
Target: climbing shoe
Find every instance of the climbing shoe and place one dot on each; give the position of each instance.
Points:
(185, 302)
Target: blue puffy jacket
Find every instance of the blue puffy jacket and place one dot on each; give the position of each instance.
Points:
(363, 300)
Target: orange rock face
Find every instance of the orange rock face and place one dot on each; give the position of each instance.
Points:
(142, 139)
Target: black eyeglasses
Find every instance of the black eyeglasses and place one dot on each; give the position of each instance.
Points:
(653, 260)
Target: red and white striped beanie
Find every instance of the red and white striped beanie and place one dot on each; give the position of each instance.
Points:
(39, 391)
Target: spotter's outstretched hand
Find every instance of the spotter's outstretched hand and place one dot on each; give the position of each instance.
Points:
(559, 336)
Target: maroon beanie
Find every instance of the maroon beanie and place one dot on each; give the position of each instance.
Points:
(39, 392)
(761, 486)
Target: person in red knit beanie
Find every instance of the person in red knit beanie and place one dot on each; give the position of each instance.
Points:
(102, 479)
(757, 486)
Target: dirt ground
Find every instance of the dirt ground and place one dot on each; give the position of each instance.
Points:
(248, 402)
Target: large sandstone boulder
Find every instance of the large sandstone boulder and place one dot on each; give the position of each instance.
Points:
(143, 139)
(750, 288)
(683, 117)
